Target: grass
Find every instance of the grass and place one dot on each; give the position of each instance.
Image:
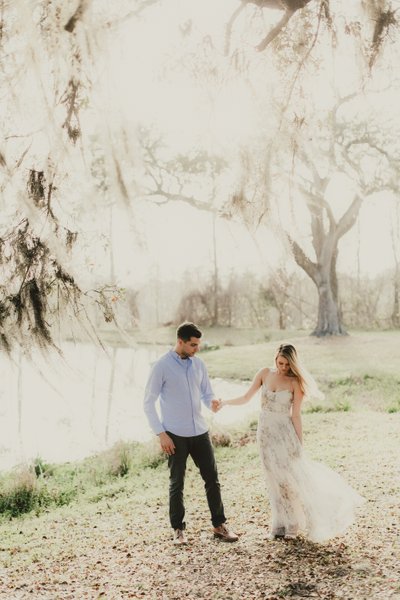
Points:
(41, 486)
(355, 372)
(104, 519)
(361, 352)
(213, 336)
(113, 541)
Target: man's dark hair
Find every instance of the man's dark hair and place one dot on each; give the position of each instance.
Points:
(186, 331)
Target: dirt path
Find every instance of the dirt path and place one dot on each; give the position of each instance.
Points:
(121, 547)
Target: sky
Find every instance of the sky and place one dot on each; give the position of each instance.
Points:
(155, 90)
(146, 73)
(239, 251)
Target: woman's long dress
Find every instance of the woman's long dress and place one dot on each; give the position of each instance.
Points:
(305, 495)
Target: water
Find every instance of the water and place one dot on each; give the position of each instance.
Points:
(63, 409)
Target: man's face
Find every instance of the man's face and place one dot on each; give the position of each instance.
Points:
(187, 349)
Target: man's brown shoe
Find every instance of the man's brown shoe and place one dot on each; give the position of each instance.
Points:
(179, 537)
(223, 533)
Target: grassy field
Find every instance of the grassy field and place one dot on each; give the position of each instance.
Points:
(359, 371)
(113, 541)
(99, 528)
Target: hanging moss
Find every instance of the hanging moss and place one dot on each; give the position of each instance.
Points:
(292, 5)
(65, 277)
(29, 302)
(36, 187)
(326, 11)
(383, 23)
(5, 343)
(71, 237)
(38, 304)
(16, 302)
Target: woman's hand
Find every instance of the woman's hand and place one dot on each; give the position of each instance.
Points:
(216, 405)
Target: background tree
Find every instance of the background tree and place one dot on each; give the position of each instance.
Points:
(173, 180)
(395, 235)
(320, 137)
(68, 153)
(48, 179)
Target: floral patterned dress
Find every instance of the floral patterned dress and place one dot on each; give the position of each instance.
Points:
(306, 496)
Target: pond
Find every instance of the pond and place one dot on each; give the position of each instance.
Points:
(65, 408)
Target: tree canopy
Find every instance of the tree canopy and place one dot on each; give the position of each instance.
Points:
(68, 153)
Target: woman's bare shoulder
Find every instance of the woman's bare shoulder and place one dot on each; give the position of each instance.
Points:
(263, 373)
(295, 383)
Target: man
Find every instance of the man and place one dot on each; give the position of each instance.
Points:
(180, 380)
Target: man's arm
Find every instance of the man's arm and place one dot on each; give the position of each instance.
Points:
(151, 394)
(207, 394)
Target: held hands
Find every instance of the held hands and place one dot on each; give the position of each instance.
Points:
(216, 405)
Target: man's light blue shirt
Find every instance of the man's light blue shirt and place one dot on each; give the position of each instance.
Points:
(181, 385)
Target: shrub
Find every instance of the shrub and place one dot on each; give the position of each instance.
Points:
(341, 406)
(119, 459)
(21, 495)
(316, 408)
(221, 438)
(42, 469)
(150, 455)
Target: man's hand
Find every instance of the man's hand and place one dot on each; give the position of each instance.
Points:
(216, 405)
(167, 445)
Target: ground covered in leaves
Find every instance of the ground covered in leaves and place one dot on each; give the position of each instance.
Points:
(120, 547)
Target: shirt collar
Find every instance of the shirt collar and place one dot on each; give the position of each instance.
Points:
(178, 359)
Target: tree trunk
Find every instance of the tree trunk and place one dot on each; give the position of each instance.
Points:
(329, 319)
(396, 277)
(215, 311)
(323, 274)
(323, 270)
(111, 241)
(19, 400)
(110, 395)
(282, 320)
(396, 302)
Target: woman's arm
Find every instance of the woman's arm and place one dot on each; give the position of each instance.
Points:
(255, 386)
(296, 410)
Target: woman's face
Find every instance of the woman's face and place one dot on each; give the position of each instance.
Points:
(282, 364)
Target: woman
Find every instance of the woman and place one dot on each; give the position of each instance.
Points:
(305, 496)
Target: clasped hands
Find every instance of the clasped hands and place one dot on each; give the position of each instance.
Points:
(216, 405)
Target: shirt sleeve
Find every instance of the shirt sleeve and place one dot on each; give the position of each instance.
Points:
(151, 394)
(207, 393)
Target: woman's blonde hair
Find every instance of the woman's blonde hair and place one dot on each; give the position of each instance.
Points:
(306, 382)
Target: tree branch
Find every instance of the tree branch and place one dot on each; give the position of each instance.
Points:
(366, 140)
(229, 26)
(316, 202)
(347, 220)
(77, 16)
(302, 259)
(132, 14)
(169, 197)
(275, 31)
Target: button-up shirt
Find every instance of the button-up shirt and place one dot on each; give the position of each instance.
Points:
(181, 385)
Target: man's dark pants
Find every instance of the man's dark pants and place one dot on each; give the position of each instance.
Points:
(199, 447)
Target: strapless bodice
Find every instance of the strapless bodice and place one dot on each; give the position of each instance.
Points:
(279, 401)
